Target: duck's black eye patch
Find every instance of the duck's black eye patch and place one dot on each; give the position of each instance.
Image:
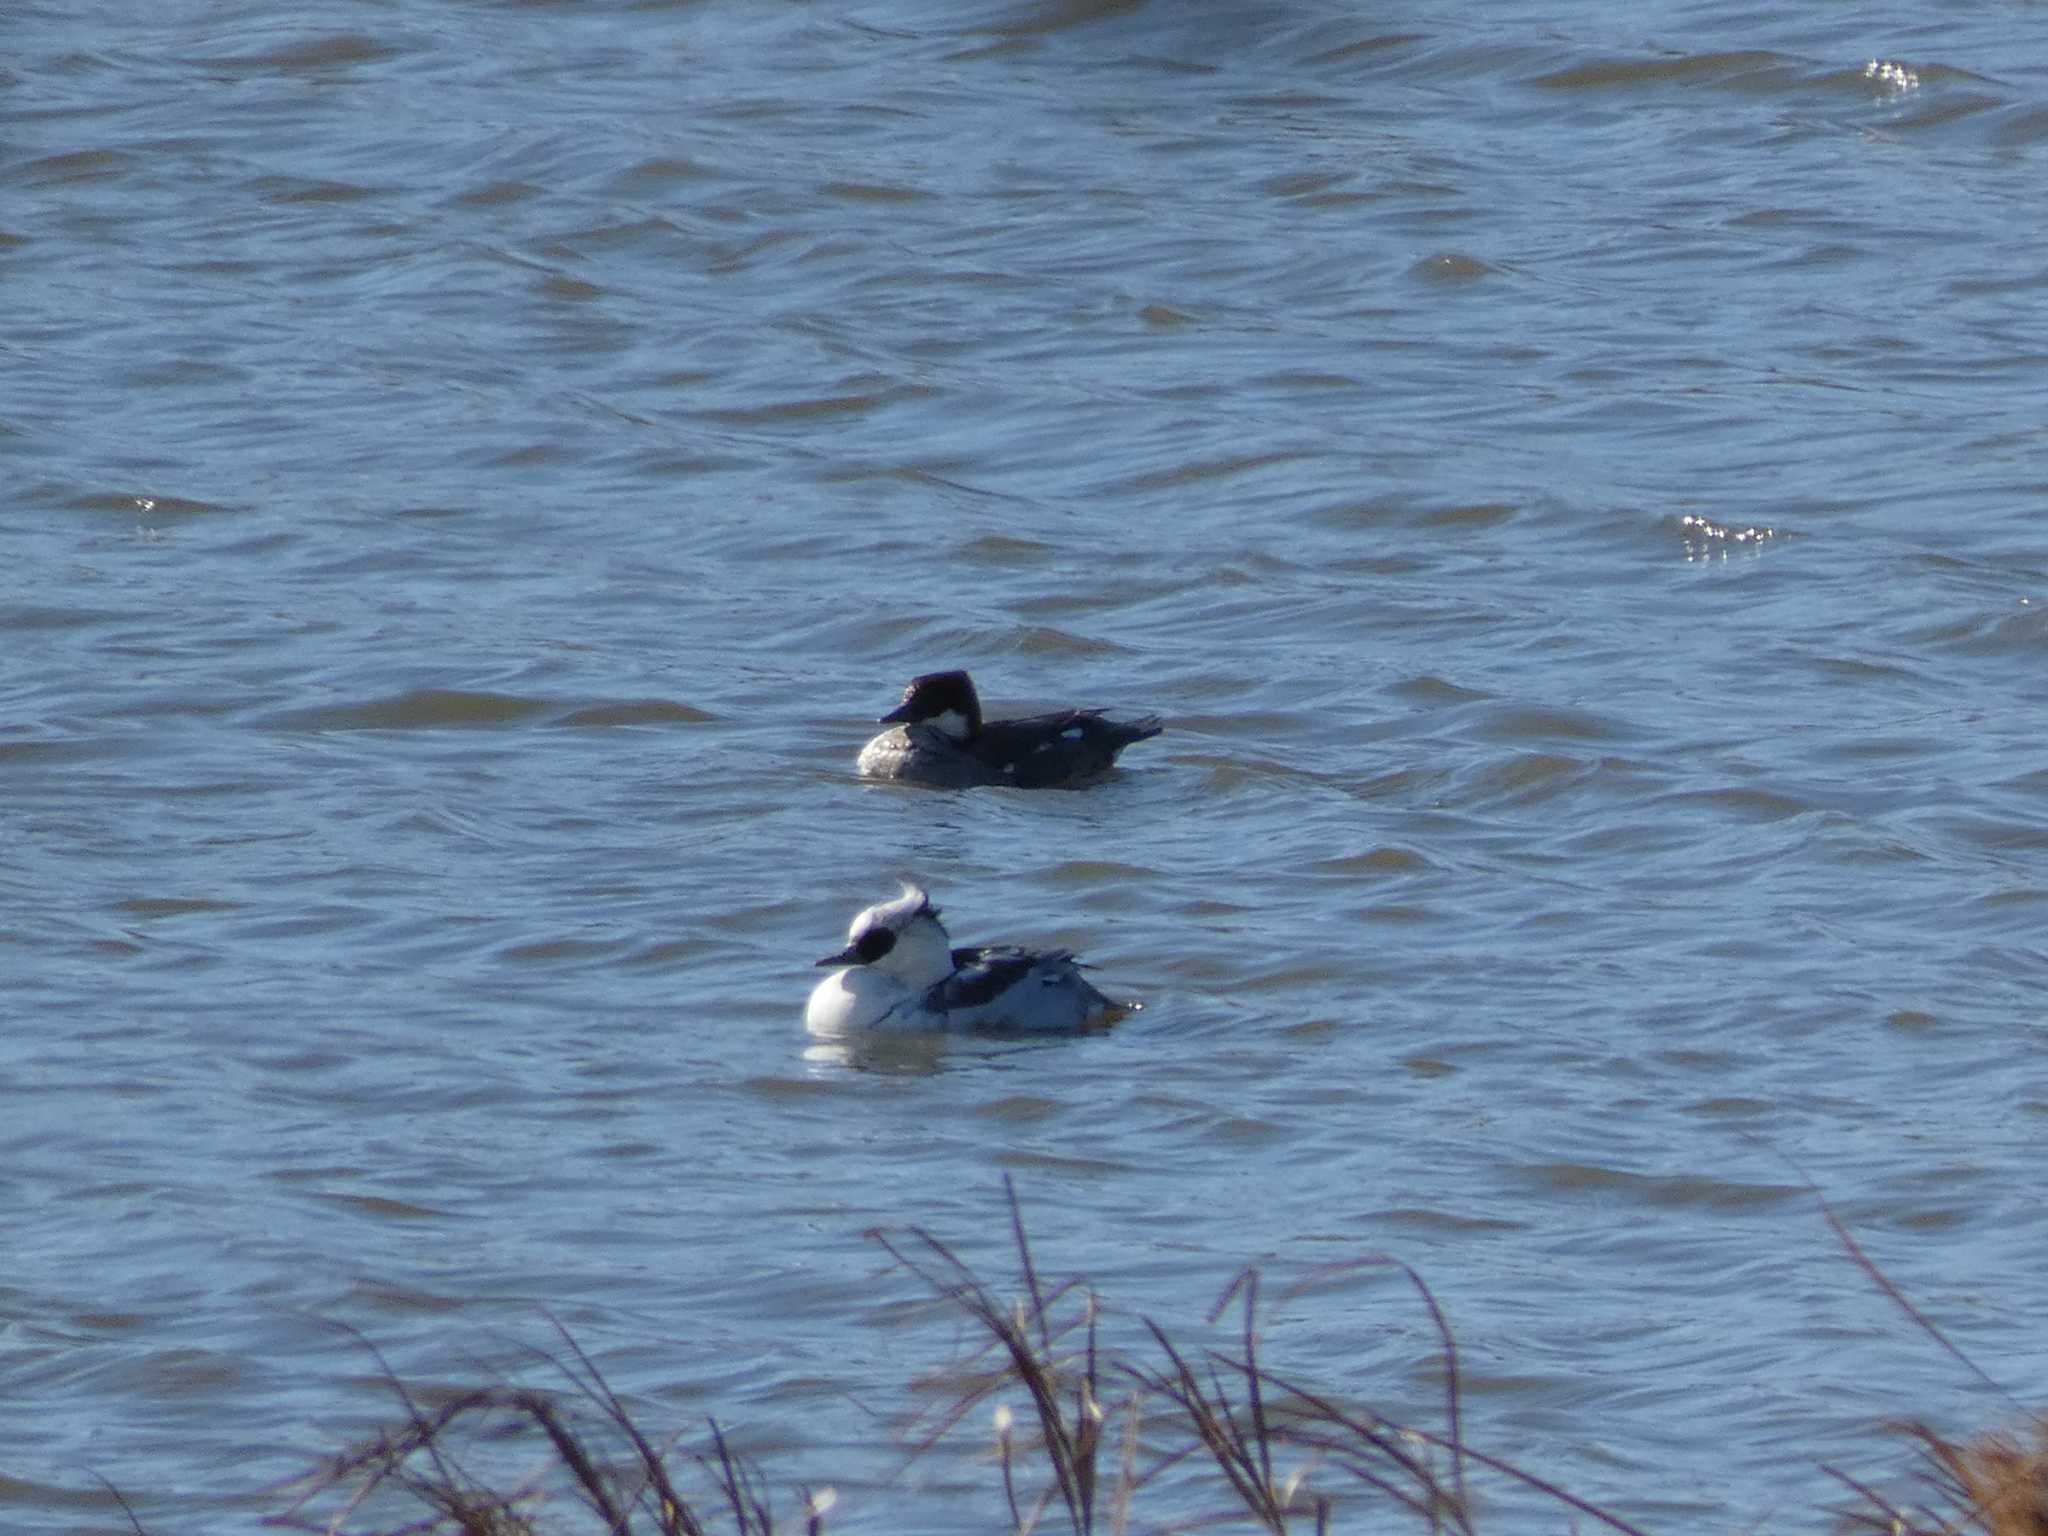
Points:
(874, 944)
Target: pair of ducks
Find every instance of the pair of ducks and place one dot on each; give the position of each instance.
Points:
(899, 970)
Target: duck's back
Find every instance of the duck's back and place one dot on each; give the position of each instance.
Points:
(1040, 751)
(1002, 986)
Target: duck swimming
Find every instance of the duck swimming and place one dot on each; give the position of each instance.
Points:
(900, 972)
(941, 740)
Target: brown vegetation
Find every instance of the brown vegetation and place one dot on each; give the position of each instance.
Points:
(1996, 1484)
(1093, 1435)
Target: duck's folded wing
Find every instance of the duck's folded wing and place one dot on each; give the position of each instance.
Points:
(1008, 740)
(980, 976)
(1058, 748)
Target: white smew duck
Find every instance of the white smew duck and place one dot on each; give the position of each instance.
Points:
(900, 972)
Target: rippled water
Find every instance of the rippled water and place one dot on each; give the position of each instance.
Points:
(472, 473)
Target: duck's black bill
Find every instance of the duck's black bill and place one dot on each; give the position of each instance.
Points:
(845, 957)
(895, 716)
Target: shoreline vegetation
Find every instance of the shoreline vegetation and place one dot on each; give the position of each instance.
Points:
(1079, 1438)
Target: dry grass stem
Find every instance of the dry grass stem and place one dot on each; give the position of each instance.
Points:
(597, 1459)
(1028, 1338)
(1995, 1484)
(1287, 1459)
(1225, 1406)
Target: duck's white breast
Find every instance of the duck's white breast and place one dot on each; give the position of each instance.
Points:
(852, 999)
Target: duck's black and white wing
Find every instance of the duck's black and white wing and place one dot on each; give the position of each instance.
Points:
(1001, 986)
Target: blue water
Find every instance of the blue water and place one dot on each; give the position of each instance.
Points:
(471, 475)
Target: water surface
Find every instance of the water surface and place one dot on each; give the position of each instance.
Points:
(471, 474)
